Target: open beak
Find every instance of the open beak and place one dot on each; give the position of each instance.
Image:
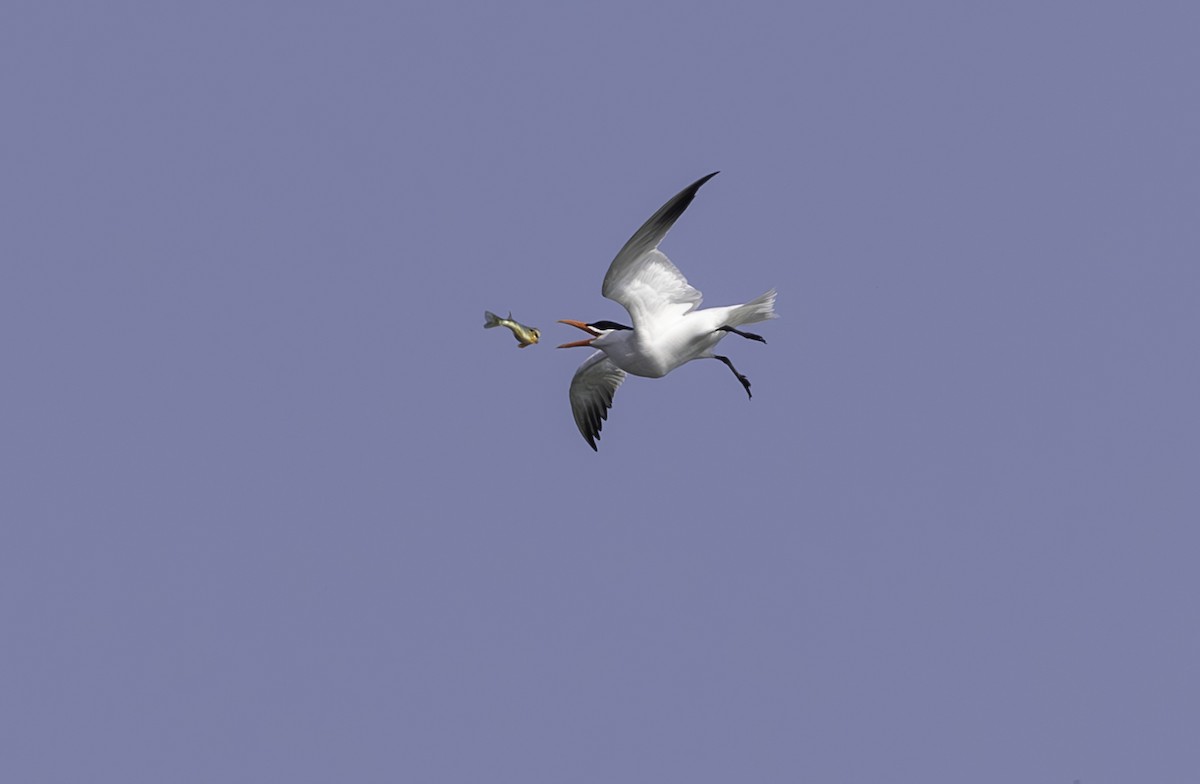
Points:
(579, 325)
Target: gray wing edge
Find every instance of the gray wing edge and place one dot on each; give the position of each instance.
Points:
(652, 231)
(590, 407)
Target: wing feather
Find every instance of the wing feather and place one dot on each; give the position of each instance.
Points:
(592, 390)
(642, 278)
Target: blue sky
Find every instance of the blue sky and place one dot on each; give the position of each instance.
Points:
(278, 508)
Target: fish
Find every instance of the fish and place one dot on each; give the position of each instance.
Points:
(526, 336)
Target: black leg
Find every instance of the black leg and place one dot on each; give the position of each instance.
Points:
(745, 381)
(749, 335)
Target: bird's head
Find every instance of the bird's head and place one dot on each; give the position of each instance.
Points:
(597, 330)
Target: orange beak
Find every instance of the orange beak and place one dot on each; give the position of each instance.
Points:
(579, 325)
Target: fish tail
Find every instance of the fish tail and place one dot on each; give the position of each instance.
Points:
(490, 319)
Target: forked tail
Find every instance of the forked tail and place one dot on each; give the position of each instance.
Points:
(757, 309)
(490, 319)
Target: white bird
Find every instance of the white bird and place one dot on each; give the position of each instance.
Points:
(667, 329)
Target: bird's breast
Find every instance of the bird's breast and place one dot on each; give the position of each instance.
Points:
(652, 358)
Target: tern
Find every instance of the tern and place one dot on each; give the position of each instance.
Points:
(667, 330)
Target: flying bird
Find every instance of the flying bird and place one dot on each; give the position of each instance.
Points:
(667, 330)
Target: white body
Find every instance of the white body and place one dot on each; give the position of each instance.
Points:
(655, 350)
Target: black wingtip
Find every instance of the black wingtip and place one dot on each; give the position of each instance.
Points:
(670, 212)
(687, 194)
(696, 185)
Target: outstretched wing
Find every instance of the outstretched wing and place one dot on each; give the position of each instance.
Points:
(592, 390)
(643, 279)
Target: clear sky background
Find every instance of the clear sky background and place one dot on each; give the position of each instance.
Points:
(277, 508)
